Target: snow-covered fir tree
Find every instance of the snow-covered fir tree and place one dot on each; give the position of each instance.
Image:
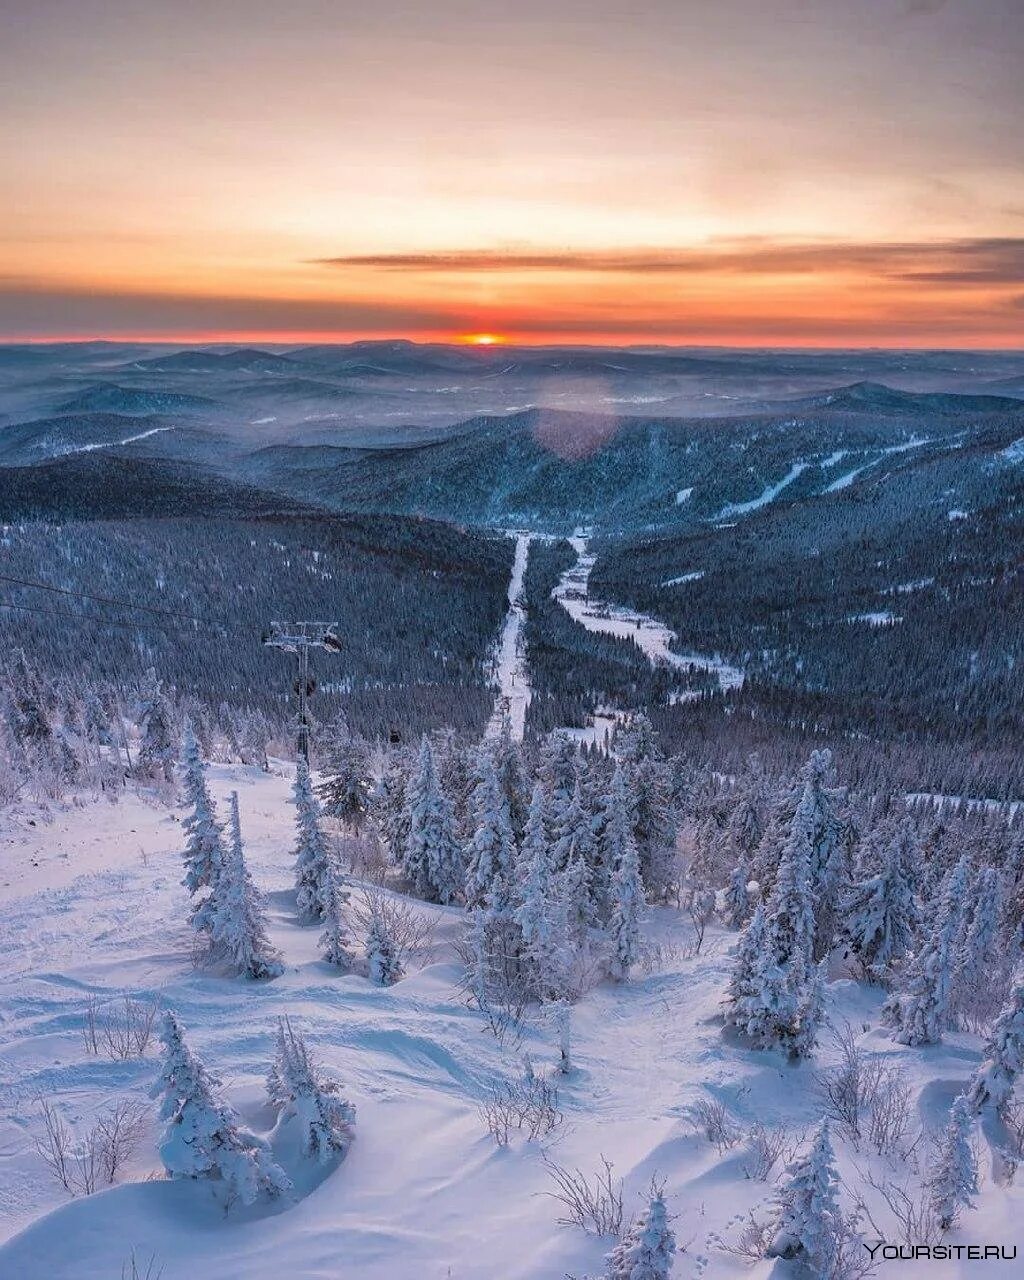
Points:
(575, 852)
(775, 996)
(309, 1102)
(345, 769)
(334, 940)
(952, 1178)
(627, 886)
(980, 955)
(313, 858)
(157, 751)
(737, 900)
(237, 923)
(743, 999)
(649, 791)
(808, 1226)
(818, 813)
(432, 858)
(203, 1137)
(879, 915)
(918, 1012)
(541, 913)
(381, 951)
(492, 847)
(647, 1249)
(387, 807)
(561, 1017)
(204, 846)
(1003, 1063)
(511, 779)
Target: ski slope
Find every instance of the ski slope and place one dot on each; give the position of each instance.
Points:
(655, 638)
(511, 673)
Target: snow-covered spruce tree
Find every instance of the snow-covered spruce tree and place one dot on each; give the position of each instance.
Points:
(953, 1174)
(252, 741)
(382, 957)
(737, 899)
(648, 787)
(492, 847)
(307, 1099)
(27, 711)
(880, 917)
(746, 989)
(783, 1009)
(1003, 1063)
(818, 813)
(647, 1249)
(919, 1011)
(556, 772)
(809, 1226)
(576, 853)
(345, 767)
(157, 749)
(541, 914)
(203, 1137)
(334, 940)
(313, 858)
(238, 930)
(627, 889)
(980, 956)
(511, 779)
(204, 847)
(389, 812)
(432, 858)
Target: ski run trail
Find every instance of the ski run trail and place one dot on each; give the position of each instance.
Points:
(93, 906)
(652, 636)
(511, 674)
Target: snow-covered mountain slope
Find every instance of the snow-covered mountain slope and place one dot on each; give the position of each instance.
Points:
(94, 907)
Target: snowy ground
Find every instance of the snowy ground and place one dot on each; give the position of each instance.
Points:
(92, 905)
(653, 637)
(511, 673)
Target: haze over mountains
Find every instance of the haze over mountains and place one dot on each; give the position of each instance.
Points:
(846, 528)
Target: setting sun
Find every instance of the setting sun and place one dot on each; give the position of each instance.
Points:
(483, 339)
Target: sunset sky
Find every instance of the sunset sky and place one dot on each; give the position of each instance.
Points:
(771, 172)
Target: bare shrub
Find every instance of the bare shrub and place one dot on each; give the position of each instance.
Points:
(55, 1146)
(710, 1119)
(889, 1113)
(132, 1268)
(366, 858)
(121, 1030)
(766, 1148)
(865, 1096)
(529, 1106)
(593, 1203)
(83, 1165)
(751, 1237)
(120, 1130)
(914, 1221)
(410, 929)
(700, 910)
(494, 983)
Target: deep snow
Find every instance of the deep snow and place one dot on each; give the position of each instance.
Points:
(93, 905)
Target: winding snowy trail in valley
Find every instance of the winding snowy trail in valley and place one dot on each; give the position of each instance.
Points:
(511, 673)
(653, 637)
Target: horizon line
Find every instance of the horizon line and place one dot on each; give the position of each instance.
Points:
(507, 342)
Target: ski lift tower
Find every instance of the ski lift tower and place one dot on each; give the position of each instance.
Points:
(298, 638)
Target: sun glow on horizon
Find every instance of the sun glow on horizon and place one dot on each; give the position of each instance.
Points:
(483, 339)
